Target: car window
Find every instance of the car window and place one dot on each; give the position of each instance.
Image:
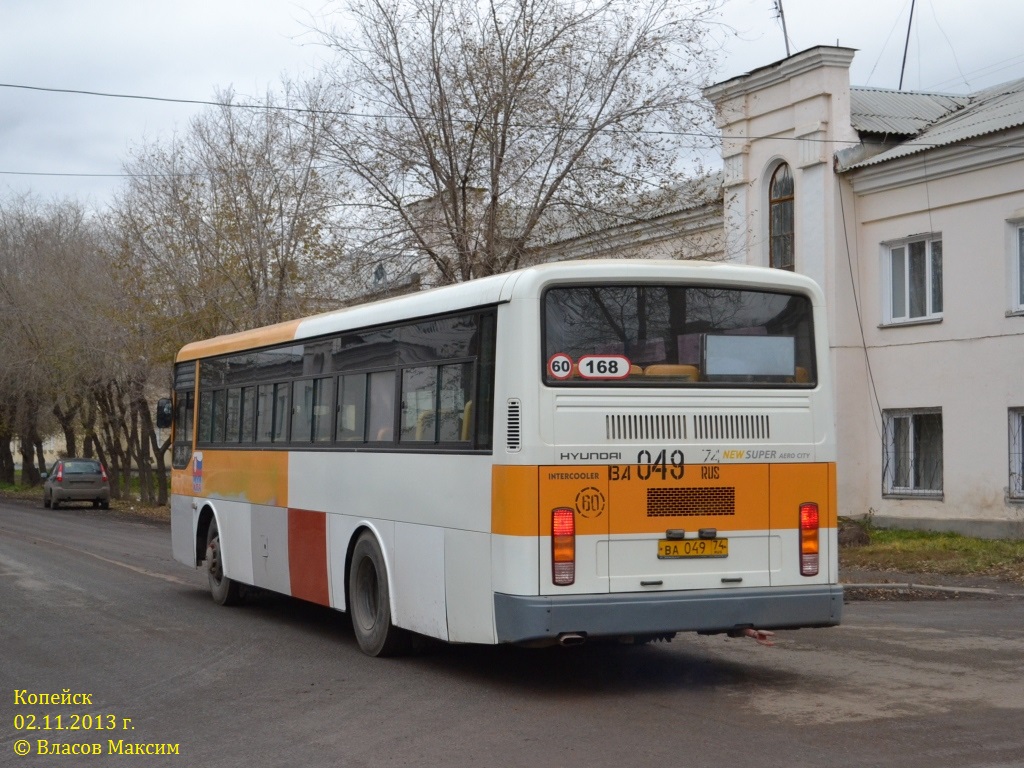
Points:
(82, 467)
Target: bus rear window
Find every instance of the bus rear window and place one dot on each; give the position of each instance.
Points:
(655, 335)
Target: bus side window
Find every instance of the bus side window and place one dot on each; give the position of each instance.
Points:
(264, 413)
(454, 393)
(381, 417)
(323, 410)
(351, 408)
(302, 411)
(248, 416)
(481, 432)
(419, 392)
(282, 410)
(205, 417)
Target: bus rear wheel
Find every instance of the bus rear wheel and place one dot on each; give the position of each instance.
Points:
(225, 591)
(369, 601)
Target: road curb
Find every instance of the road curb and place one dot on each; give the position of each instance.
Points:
(911, 586)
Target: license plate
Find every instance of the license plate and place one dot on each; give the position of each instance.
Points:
(670, 549)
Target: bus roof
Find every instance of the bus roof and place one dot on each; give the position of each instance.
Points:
(492, 290)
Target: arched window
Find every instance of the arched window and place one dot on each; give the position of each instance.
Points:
(780, 219)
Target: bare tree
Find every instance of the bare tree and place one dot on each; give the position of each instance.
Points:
(232, 225)
(479, 127)
(55, 334)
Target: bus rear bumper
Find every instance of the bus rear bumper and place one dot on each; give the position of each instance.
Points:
(520, 618)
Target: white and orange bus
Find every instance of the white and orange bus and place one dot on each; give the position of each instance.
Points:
(590, 449)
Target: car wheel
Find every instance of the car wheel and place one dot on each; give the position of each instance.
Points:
(54, 502)
(46, 501)
(104, 505)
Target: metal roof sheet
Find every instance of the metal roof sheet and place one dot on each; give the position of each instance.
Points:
(988, 111)
(903, 113)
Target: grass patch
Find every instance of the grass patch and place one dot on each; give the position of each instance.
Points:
(931, 552)
(126, 507)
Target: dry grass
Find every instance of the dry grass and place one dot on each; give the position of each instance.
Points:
(120, 507)
(941, 553)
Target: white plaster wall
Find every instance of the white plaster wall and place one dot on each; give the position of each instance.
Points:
(971, 364)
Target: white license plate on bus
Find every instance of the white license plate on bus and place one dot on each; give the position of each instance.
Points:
(670, 549)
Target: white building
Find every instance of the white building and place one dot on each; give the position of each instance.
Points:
(908, 209)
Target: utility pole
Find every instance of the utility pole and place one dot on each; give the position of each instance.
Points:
(782, 18)
(906, 45)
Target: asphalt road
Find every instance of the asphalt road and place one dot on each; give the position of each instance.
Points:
(93, 605)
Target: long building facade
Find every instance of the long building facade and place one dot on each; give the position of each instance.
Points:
(908, 209)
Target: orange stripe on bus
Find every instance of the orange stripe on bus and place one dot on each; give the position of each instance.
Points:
(652, 499)
(259, 477)
(307, 555)
(794, 484)
(628, 499)
(514, 500)
(239, 342)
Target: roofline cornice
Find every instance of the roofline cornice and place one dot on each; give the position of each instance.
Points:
(773, 74)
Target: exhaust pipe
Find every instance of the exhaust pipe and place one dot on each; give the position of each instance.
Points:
(571, 638)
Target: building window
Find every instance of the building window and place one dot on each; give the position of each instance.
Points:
(912, 462)
(780, 219)
(1016, 486)
(1017, 272)
(914, 273)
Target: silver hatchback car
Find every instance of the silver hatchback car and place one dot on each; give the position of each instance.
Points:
(77, 480)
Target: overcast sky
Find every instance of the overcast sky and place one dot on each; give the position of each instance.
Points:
(189, 49)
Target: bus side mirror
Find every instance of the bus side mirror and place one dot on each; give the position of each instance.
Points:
(164, 413)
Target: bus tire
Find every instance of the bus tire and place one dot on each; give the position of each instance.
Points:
(224, 591)
(369, 601)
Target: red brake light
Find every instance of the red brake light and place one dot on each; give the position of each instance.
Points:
(563, 546)
(103, 472)
(809, 539)
(60, 473)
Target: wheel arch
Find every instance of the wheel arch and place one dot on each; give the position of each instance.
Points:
(206, 517)
(385, 551)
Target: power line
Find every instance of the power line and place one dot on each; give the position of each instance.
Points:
(90, 175)
(138, 97)
(341, 113)
(923, 145)
(331, 112)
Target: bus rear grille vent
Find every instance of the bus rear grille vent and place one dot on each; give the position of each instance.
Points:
(726, 427)
(655, 426)
(691, 502)
(513, 429)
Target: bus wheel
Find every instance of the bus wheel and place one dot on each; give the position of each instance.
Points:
(369, 601)
(225, 591)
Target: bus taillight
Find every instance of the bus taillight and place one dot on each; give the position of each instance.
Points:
(563, 546)
(809, 528)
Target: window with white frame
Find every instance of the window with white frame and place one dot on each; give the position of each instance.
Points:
(1016, 485)
(1017, 273)
(913, 276)
(912, 461)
